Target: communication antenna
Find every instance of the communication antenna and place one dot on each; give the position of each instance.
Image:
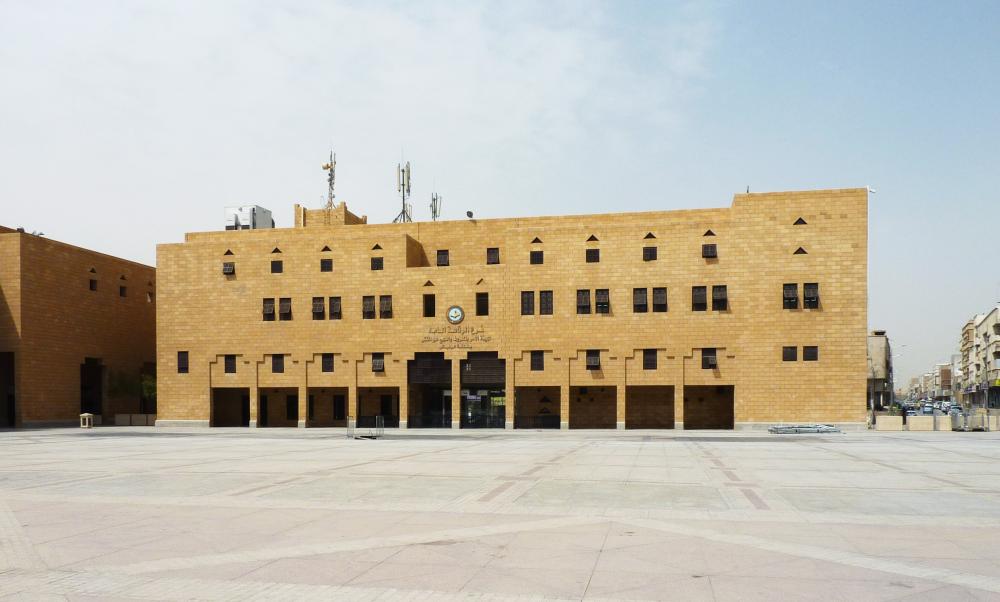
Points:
(403, 187)
(331, 170)
(435, 206)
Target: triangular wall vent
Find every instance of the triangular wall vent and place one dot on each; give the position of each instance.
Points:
(800, 222)
(93, 271)
(800, 251)
(709, 233)
(228, 252)
(592, 238)
(536, 240)
(325, 249)
(377, 247)
(648, 236)
(123, 278)
(276, 250)
(428, 283)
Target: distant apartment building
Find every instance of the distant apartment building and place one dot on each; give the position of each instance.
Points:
(77, 333)
(986, 383)
(880, 381)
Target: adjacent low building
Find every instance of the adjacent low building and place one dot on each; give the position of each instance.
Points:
(77, 333)
(880, 377)
(736, 317)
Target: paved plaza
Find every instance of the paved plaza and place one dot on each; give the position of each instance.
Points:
(150, 514)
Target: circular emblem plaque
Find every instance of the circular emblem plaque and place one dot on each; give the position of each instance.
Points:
(455, 314)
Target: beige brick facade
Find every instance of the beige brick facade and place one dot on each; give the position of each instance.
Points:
(210, 315)
(51, 322)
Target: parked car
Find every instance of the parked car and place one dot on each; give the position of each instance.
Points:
(928, 409)
(911, 412)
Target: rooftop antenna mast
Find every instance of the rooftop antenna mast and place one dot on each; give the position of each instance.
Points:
(403, 187)
(331, 169)
(436, 200)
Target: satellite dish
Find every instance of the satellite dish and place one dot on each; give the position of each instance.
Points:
(468, 214)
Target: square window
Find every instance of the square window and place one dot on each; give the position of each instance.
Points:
(326, 362)
(640, 303)
(326, 265)
(228, 268)
(810, 354)
(810, 295)
(649, 359)
(537, 361)
(319, 308)
(482, 304)
(385, 307)
(537, 257)
(790, 295)
(335, 308)
(649, 253)
(709, 360)
(277, 364)
(593, 359)
(660, 299)
(593, 255)
(277, 266)
(284, 308)
(429, 306)
(709, 251)
(368, 307)
(229, 363)
(93, 284)
(545, 303)
(492, 256)
(442, 257)
(583, 301)
(699, 298)
(789, 354)
(378, 362)
(268, 310)
(376, 264)
(182, 362)
(527, 303)
(122, 291)
(602, 301)
(720, 298)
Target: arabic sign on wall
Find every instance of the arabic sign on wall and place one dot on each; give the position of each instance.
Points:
(456, 336)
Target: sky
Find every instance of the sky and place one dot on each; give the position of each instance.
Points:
(125, 124)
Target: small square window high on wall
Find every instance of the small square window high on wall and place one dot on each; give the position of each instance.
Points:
(492, 256)
(537, 360)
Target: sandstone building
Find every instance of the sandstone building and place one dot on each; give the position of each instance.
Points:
(77, 332)
(735, 317)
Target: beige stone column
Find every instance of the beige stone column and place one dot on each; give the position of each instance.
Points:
(352, 396)
(456, 391)
(564, 397)
(679, 394)
(509, 384)
(620, 391)
(254, 400)
(404, 402)
(303, 406)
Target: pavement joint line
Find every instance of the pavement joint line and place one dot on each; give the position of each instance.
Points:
(854, 559)
(351, 545)
(16, 548)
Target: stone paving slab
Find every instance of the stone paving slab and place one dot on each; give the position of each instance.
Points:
(282, 514)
